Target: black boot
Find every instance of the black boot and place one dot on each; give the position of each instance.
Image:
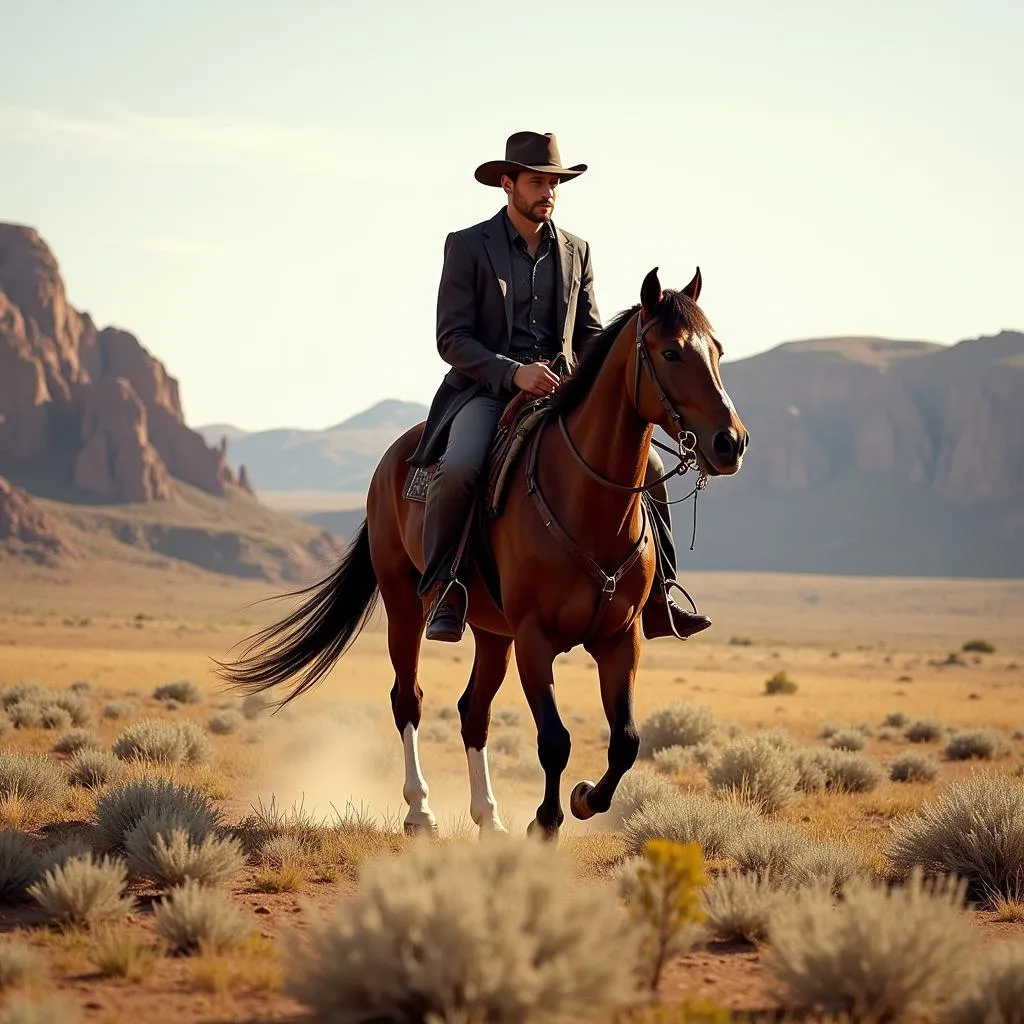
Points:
(663, 617)
(446, 620)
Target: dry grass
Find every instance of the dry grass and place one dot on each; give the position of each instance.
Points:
(120, 953)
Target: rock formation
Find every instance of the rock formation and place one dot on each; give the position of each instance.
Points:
(24, 522)
(68, 389)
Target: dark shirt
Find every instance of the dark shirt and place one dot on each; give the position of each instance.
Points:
(534, 297)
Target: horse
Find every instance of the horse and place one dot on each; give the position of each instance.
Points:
(573, 549)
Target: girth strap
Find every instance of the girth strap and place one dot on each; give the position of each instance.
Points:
(607, 584)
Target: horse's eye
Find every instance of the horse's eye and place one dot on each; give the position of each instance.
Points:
(671, 355)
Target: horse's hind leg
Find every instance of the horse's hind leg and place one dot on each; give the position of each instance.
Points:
(405, 632)
(490, 663)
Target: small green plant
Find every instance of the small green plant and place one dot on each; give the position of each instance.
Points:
(667, 899)
(779, 683)
(978, 647)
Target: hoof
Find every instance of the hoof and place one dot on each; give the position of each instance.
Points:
(535, 830)
(421, 828)
(578, 800)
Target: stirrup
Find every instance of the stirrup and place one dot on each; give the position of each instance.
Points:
(667, 588)
(453, 582)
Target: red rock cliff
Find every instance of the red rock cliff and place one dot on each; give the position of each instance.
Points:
(68, 389)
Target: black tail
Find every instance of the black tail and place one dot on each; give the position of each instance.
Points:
(312, 638)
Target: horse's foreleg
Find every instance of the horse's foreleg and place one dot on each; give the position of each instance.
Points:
(535, 658)
(490, 663)
(617, 661)
(405, 632)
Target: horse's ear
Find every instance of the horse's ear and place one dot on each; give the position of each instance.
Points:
(650, 294)
(692, 290)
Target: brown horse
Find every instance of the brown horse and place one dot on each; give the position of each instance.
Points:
(572, 546)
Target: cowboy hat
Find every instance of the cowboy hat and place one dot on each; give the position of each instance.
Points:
(527, 151)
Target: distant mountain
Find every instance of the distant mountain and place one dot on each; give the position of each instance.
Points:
(868, 456)
(338, 458)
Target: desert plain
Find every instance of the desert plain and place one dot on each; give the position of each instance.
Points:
(859, 650)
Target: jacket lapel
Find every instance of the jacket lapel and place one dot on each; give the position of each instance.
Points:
(566, 253)
(496, 244)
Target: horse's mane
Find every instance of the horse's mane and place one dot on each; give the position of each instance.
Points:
(677, 312)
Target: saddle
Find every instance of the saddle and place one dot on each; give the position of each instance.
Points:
(518, 421)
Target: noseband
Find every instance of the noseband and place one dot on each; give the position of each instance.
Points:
(686, 440)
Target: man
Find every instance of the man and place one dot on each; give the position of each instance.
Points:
(516, 293)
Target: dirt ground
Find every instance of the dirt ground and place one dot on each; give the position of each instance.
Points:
(857, 649)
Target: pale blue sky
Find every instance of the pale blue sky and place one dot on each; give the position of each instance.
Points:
(260, 191)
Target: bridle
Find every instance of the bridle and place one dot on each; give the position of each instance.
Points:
(686, 440)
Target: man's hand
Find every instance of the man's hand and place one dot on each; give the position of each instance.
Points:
(535, 378)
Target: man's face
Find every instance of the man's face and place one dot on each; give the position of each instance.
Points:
(533, 195)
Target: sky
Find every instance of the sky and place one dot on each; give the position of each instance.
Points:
(261, 192)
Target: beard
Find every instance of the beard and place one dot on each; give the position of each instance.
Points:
(536, 213)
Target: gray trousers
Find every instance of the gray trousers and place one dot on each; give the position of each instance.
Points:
(452, 489)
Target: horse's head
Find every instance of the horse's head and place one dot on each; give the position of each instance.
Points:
(678, 383)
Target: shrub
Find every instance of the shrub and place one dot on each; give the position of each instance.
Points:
(887, 734)
(5, 723)
(94, 768)
(26, 714)
(811, 777)
(739, 905)
(997, 994)
(831, 866)
(57, 856)
(848, 772)
(52, 716)
(507, 717)
(75, 740)
(121, 954)
(30, 777)
(769, 846)
(162, 848)
(978, 647)
(184, 691)
(84, 891)
(882, 954)
(225, 722)
(914, 768)
(193, 918)
(924, 730)
(778, 738)
(975, 830)
(19, 865)
(494, 931)
(983, 744)
(689, 818)
(895, 719)
(19, 964)
(779, 683)
(118, 709)
(121, 809)
(81, 686)
(847, 739)
(755, 770)
(255, 706)
(163, 743)
(198, 749)
(76, 706)
(638, 787)
(674, 760)
(680, 724)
